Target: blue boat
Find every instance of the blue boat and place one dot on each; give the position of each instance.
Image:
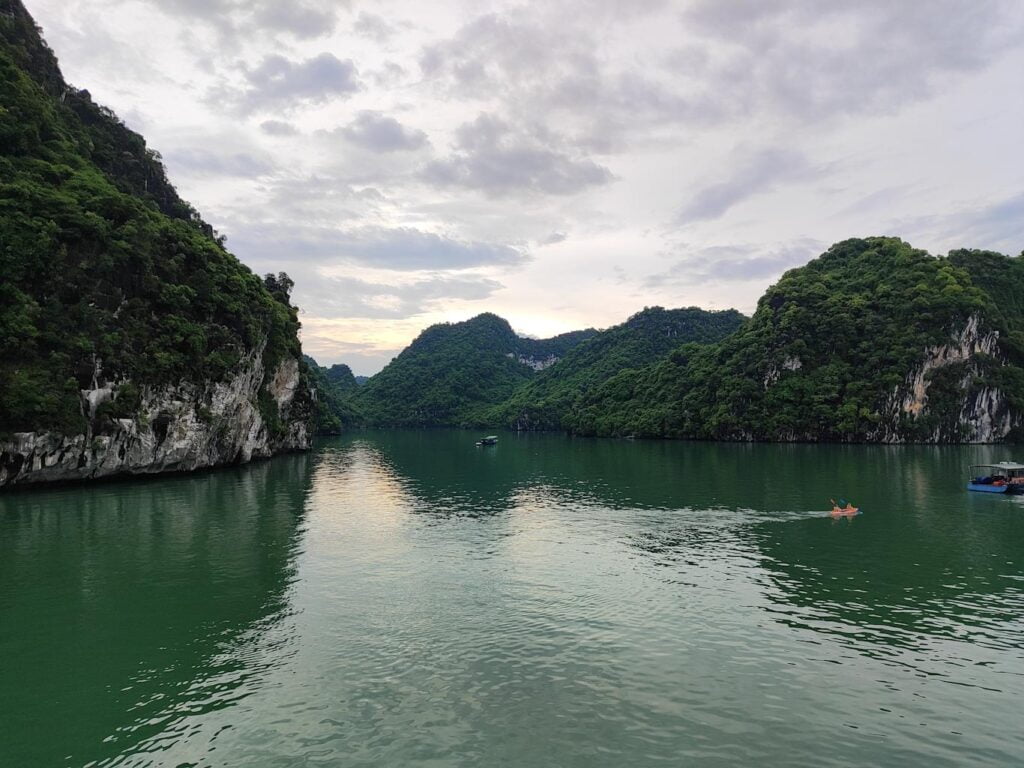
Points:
(489, 440)
(1004, 477)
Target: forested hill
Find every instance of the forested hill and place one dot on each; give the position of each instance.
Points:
(453, 371)
(547, 400)
(340, 375)
(113, 287)
(333, 387)
(872, 341)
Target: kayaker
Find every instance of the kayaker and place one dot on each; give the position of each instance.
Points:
(843, 507)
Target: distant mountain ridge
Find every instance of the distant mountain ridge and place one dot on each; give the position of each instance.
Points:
(480, 372)
(546, 401)
(453, 371)
(340, 375)
(873, 341)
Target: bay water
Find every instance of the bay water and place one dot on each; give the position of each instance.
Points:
(398, 598)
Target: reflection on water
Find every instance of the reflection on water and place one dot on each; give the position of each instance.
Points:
(129, 610)
(406, 597)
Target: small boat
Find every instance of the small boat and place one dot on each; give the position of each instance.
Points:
(489, 440)
(1004, 477)
(843, 508)
(848, 511)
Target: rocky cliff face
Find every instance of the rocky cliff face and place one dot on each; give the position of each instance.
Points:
(177, 428)
(981, 414)
(536, 363)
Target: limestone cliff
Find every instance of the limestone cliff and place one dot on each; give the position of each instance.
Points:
(180, 427)
(131, 340)
(974, 410)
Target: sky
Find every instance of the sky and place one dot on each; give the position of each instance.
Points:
(563, 164)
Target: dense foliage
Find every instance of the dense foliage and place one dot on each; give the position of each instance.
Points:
(826, 349)
(340, 375)
(106, 271)
(826, 356)
(546, 401)
(453, 372)
(335, 411)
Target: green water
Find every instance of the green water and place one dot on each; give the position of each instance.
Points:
(404, 598)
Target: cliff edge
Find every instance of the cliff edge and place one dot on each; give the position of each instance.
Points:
(131, 340)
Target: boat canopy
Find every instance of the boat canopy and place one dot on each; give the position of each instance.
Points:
(1006, 466)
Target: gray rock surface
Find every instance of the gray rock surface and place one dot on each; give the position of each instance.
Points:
(985, 414)
(180, 427)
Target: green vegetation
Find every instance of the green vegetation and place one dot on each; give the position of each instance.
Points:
(335, 411)
(479, 372)
(826, 350)
(546, 401)
(340, 375)
(453, 372)
(106, 271)
(826, 356)
(1001, 277)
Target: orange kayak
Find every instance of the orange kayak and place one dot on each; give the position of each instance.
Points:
(846, 511)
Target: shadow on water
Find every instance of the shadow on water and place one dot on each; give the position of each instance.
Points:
(139, 604)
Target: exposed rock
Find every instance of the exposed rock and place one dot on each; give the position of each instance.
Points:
(179, 427)
(985, 415)
(537, 364)
(775, 371)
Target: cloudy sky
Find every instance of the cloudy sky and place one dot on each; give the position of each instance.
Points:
(560, 163)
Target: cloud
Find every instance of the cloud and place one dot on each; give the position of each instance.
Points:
(380, 133)
(324, 340)
(204, 162)
(241, 19)
(996, 225)
(208, 10)
(999, 225)
(299, 201)
(406, 248)
(877, 200)
(490, 156)
(304, 20)
(374, 27)
(735, 263)
(394, 248)
(816, 61)
(528, 64)
(553, 239)
(756, 173)
(351, 297)
(497, 52)
(281, 83)
(524, 65)
(388, 75)
(713, 63)
(278, 128)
